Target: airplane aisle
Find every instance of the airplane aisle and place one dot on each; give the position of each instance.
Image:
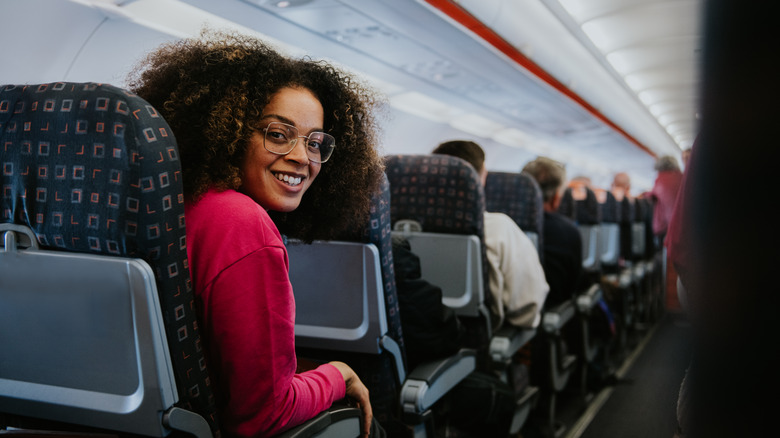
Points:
(643, 403)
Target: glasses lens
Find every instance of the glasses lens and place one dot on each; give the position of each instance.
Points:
(319, 146)
(280, 137)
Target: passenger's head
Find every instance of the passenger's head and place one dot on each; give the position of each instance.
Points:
(467, 150)
(667, 163)
(621, 185)
(231, 100)
(582, 180)
(551, 176)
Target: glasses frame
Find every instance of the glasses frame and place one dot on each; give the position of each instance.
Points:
(294, 141)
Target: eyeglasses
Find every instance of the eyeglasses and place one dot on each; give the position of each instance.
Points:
(280, 138)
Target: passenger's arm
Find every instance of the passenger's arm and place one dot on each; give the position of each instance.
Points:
(356, 390)
(249, 314)
(524, 287)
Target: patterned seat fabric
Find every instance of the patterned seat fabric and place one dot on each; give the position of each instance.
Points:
(94, 169)
(441, 192)
(378, 231)
(518, 196)
(444, 195)
(378, 373)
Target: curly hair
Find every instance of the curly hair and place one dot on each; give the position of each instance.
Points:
(212, 92)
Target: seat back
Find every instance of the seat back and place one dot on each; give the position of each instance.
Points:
(609, 232)
(99, 322)
(626, 207)
(580, 204)
(518, 196)
(444, 196)
(638, 230)
(353, 321)
(351, 305)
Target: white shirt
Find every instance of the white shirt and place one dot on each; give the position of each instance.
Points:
(516, 276)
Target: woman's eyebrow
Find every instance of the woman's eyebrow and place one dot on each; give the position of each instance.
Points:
(278, 117)
(284, 119)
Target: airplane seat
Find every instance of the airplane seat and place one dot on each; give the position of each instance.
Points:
(622, 283)
(627, 213)
(581, 204)
(438, 204)
(518, 196)
(349, 311)
(638, 231)
(589, 221)
(609, 233)
(639, 267)
(98, 321)
(93, 223)
(653, 256)
(443, 197)
(651, 265)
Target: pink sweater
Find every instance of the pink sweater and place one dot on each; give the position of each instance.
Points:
(239, 271)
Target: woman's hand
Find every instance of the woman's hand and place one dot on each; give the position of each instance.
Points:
(357, 391)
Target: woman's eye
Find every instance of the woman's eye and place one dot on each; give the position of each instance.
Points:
(313, 144)
(277, 135)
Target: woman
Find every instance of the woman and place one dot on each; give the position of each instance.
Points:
(255, 130)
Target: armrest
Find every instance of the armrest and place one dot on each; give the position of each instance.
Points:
(336, 422)
(639, 270)
(428, 382)
(394, 349)
(554, 319)
(507, 341)
(626, 278)
(187, 421)
(589, 299)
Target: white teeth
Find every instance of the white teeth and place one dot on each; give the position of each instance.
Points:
(290, 180)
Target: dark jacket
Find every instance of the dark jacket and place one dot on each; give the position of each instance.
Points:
(431, 330)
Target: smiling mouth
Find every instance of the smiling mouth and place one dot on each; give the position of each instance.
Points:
(291, 181)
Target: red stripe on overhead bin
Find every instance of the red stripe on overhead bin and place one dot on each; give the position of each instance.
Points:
(460, 15)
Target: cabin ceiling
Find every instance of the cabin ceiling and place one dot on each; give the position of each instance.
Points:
(633, 61)
(634, 64)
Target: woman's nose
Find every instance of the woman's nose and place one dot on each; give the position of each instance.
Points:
(298, 153)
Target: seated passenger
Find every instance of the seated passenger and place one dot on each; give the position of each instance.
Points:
(562, 243)
(255, 129)
(517, 279)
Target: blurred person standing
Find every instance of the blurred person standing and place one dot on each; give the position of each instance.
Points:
(664, 194)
